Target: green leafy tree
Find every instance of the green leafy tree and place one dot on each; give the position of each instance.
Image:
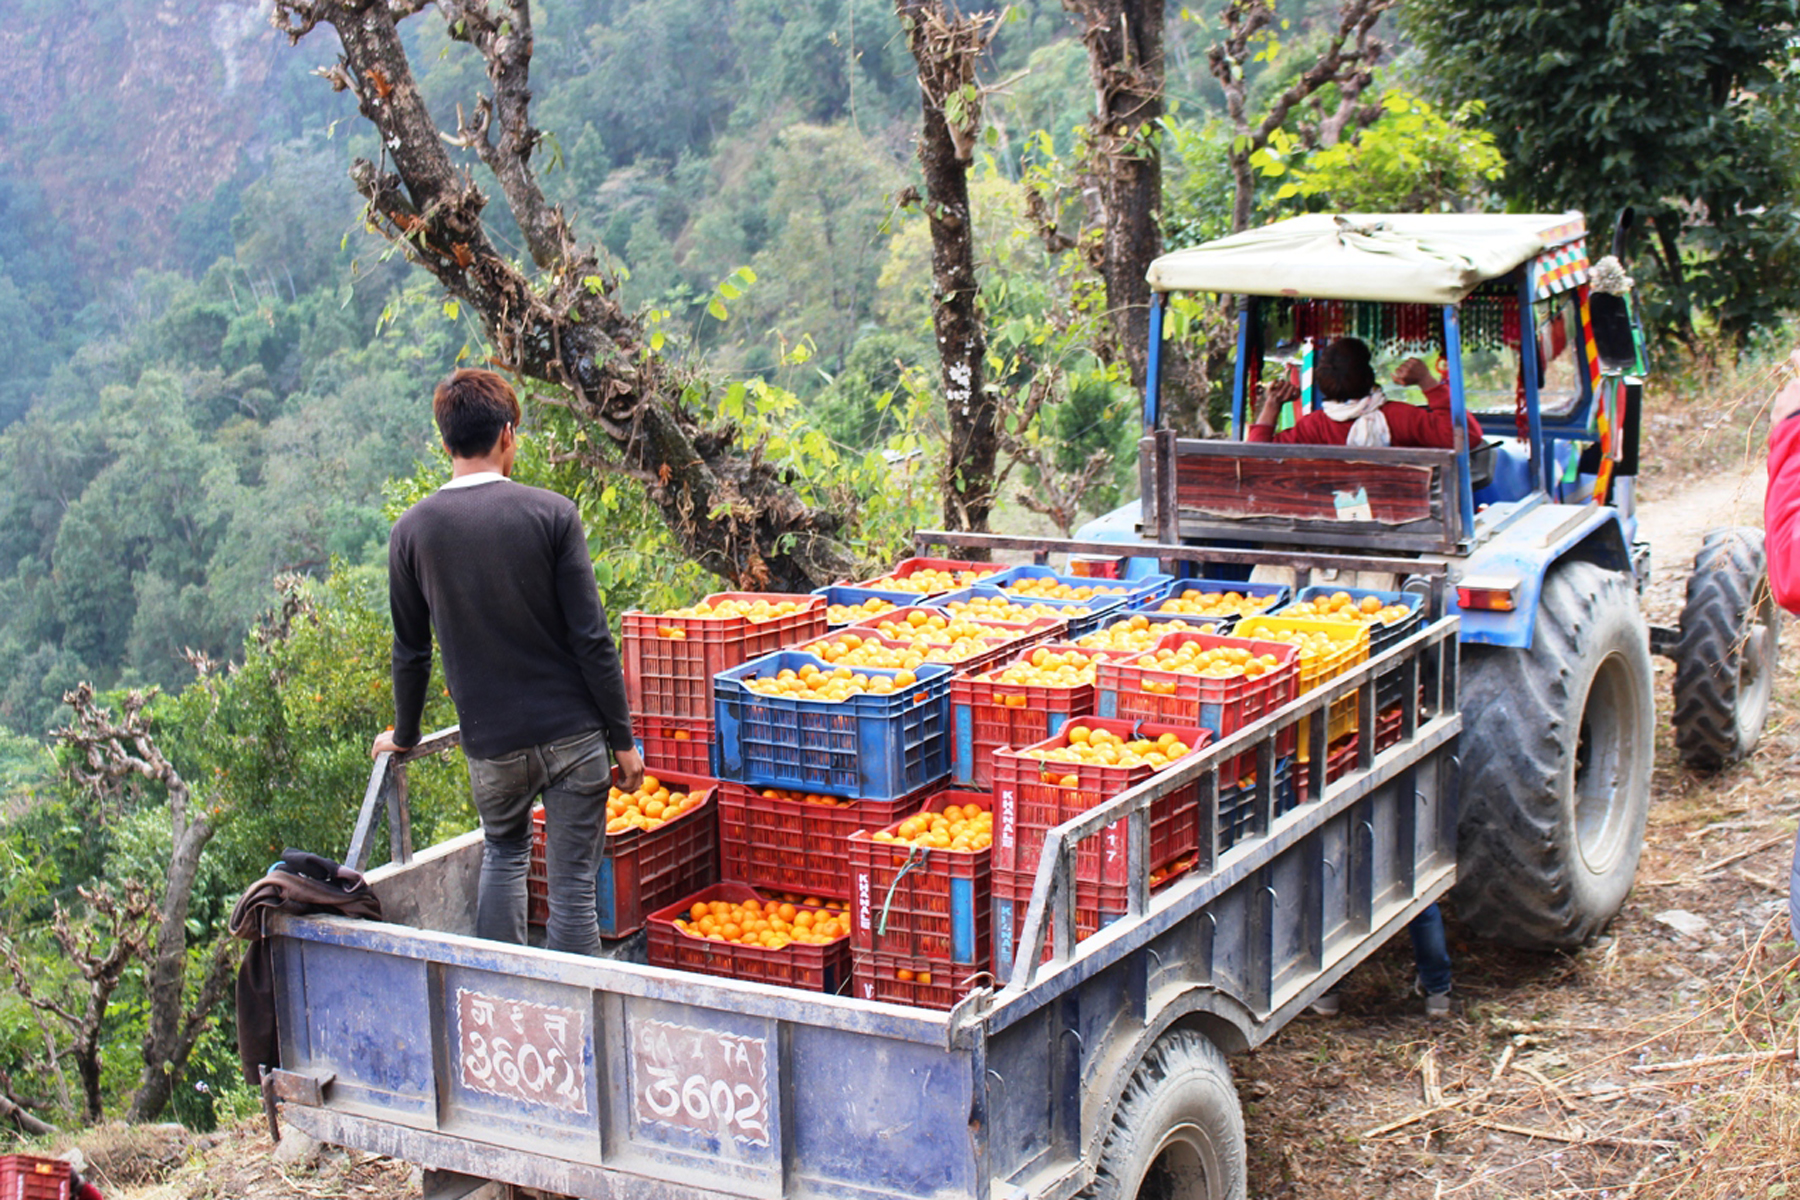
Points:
(1681, 108)
(1411, 158)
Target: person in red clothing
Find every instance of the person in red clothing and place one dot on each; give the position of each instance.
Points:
(1356, 412)
(1781, 503)
(1781, 540)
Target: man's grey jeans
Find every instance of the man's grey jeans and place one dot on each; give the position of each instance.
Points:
(573, 776)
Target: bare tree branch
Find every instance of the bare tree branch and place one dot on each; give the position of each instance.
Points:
(733, 513)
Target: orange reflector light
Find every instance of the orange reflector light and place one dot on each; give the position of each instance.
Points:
(1490, 593)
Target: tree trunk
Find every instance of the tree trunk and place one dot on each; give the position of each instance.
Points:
(731, 511)
(1125, 58)
(946, 47)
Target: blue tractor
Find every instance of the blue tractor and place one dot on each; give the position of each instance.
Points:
(1533, 527)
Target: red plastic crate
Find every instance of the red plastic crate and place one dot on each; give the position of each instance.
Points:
(1012, 899)
(1221, 705)
(25, 1177)
(640, 869)
(921, 903)
(982, 720)
(1027, 805)
(920, 982)
(1340, 756)
(671, 676)
(896, 579)
(674, 744)
(790, 844)
(813, 968)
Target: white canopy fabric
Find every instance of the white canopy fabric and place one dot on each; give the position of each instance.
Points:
(1415, 258)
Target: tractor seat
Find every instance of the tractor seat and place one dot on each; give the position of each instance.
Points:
(1481, 463)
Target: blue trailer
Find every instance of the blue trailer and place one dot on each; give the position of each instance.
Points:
(1097, 1067)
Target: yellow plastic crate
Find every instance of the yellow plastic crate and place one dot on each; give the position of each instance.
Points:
(1351, 649)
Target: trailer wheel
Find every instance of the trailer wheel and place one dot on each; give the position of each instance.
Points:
(1556, 766)
(1725, 657)
(1178, 1131)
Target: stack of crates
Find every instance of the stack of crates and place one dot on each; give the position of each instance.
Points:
(1032, 795)
(921, 910)
(670, 662)
(1389, 617)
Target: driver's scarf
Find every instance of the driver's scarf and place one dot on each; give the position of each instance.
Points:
(1370, 426)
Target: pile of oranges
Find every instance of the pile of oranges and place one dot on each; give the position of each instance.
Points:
(1043, 667)
(999, 608)
(1312, 643)
(1104, 748)
(1162, 875)
(966, 827)
(858, 650)
(754, 611)
(1193, 602)
(832, 685)
(1051, 589)
(935, 629)
(928, 581)
(1136, 632)
(770, 924)
(818, 798)
(845, 614)
(1343, 606)
(652, 805)
(1219, 662)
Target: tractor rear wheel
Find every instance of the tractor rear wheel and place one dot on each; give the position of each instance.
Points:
(1557, 747)
(1725, 657)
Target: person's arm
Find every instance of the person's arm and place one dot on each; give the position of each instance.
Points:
(589, 637)
(1431, 427)
(412, 648)
(1268, 411)
(1781, 503)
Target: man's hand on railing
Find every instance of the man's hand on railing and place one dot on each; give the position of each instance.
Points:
(385, 744)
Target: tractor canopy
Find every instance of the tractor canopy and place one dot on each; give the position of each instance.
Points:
(1407, 258)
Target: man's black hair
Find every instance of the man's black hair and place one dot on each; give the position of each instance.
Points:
(1342, 371)
(472, 407)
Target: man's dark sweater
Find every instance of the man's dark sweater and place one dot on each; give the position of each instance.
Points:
(502, 572)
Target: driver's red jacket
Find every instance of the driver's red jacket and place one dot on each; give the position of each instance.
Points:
(1781, 514)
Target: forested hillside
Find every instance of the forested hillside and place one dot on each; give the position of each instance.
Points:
(217, 375)
(203, 390)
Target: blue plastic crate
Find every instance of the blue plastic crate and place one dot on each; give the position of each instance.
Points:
(1100, 608)
(841, 593)
(1238, 803)
(1176, 587)
(1219, 625)
(869, 747)
(1132, 588)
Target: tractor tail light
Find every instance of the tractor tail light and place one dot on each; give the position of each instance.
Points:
(1489, 593)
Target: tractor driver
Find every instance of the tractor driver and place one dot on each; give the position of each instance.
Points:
(1356, 412)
